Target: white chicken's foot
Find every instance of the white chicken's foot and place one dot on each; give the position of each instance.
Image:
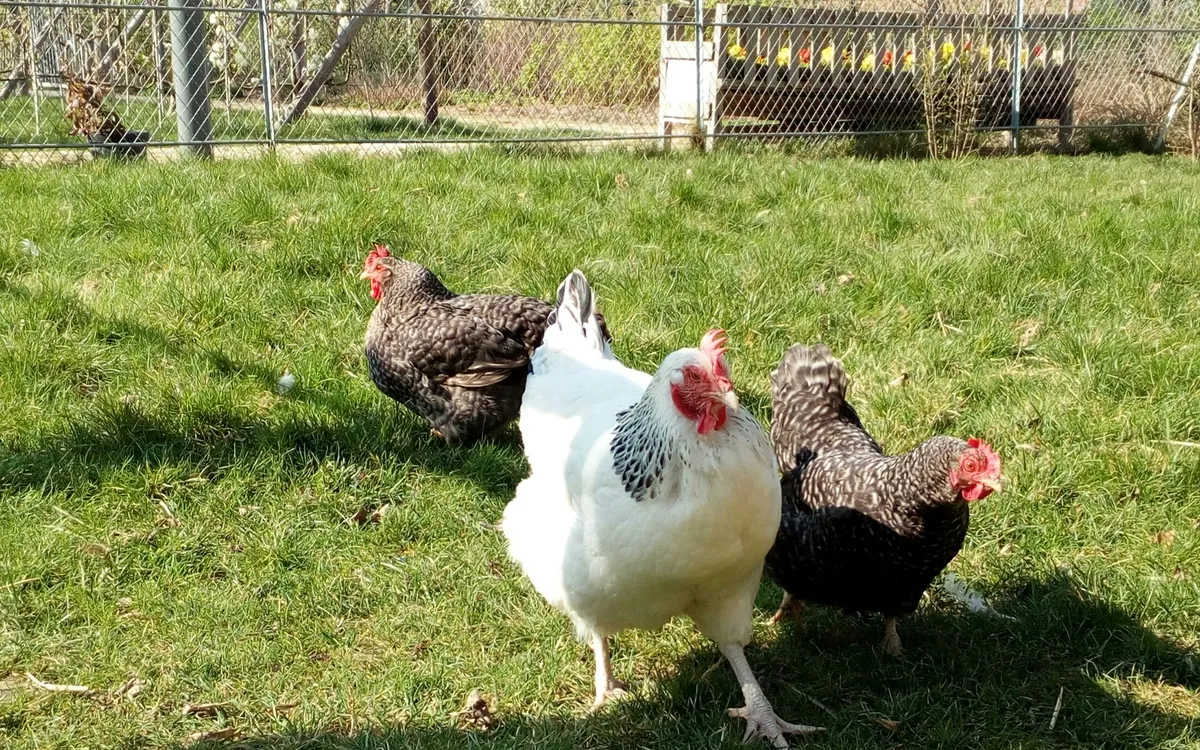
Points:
(891, 639)
(607, 687)
(761, 720)
(789, 606)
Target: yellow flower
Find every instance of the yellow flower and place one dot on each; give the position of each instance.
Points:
(827, 57)
(736, 51)
(947, 50)
(868, 63)
(784, 57)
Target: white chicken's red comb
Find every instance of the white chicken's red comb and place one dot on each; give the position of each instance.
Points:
(713, 343)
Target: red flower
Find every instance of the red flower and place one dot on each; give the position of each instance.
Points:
(887, 58)
(805, 56)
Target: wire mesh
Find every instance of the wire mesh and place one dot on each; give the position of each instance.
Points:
(84, 80)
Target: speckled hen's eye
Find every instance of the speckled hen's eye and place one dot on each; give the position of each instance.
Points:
(971, 464)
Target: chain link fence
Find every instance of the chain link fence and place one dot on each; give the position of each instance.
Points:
(86, 80)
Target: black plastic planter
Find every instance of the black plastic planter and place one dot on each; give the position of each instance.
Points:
(126, 147)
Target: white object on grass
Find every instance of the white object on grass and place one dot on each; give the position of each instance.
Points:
(972, 600)
(30, 247)
(286, 383)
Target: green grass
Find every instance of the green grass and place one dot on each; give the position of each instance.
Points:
(140, 347)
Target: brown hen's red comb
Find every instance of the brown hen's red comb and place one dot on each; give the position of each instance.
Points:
(713, 343)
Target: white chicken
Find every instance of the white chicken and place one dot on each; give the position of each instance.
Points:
(648, 497)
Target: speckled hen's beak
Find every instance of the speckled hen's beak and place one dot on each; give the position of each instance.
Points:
(991, 484)
(365, 274)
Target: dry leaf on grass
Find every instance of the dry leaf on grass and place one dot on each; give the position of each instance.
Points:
(10, 685)
(1165, 538)
(476, 713)
(845, 278)
(168, 518)
(216, 735)
(320, 656)
(1180, 574)
(204, 710)
(820, 289)
(495, 569)
(130, 690)
(280, 709)
(886, 723)
(1029, 334)
(1153, 290)
(622, 182)
(419, 649)
(1028, 447)
(899, 380)
(368, 515)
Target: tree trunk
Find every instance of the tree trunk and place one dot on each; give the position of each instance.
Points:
(114, 51)
(340, 44)
(298, 47)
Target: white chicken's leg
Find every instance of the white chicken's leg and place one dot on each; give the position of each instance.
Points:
(761, 720)
(607, 686)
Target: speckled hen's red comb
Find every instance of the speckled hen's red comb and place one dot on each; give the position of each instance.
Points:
(713, 343)
(379, 251)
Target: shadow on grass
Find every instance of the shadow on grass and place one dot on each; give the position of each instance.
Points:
(965, 681)
(112, 433)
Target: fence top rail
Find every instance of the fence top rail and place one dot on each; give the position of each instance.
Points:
(1036, 23)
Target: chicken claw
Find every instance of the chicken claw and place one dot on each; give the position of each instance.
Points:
(762, 722)
(615, 691)
(891, 639)
(789, 606)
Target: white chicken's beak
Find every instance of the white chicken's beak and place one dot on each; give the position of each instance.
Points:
(728, 398)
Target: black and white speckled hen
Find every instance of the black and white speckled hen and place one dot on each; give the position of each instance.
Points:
(459, 361)
(860, 530)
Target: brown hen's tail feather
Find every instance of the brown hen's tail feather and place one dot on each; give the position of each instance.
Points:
(810, 412)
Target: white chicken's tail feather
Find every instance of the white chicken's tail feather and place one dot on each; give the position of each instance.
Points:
(573, 324)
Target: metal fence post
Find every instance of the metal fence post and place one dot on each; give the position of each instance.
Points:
(699, 63)
(265, 59)
(189, 64)
(1018, 49)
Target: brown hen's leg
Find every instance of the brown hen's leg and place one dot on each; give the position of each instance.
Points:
(891, 640)
(789, 606)
(607, 686)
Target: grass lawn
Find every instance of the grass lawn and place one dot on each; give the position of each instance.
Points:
(166, 515)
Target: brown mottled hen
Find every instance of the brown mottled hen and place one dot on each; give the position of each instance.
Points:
(458, 361)
(860, 530)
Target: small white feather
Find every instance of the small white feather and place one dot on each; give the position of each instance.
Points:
(286, 383)
(30, 248)
(972, 600)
